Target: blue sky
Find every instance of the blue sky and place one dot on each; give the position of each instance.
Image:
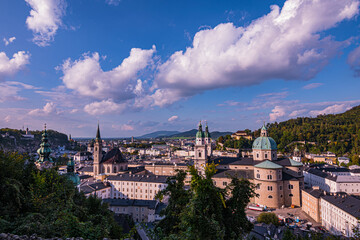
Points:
(143, 66)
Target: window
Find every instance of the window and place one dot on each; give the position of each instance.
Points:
(108, 169)
(257, 155)
(269, 177)
(224, 183)
(290, 195)
(265, 155)
(114, 169)
(291, 186)
(281, 196)
(258, 186)
(269, 188)
(280, 187)
(270, 196)
(199, 154)
(258, 175)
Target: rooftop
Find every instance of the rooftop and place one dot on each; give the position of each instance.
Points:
(130, 202)
(138, 178)
(268, 165)
(345, 202)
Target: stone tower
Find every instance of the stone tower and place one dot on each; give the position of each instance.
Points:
(208, 141)
(44, 160)
(200, 151)
(97, 153)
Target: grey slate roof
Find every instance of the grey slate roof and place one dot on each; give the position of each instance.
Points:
(86, 169)
(138, 178)
(346, 203)
(89, 188)
(151, 204)
(248, 174)
(314, 192)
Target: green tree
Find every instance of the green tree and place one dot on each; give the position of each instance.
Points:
(206, 211)
(268, 218)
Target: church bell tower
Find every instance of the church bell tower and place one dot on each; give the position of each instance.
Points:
(97, 153)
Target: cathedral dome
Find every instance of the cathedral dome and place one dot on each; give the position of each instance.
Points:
(264, 143)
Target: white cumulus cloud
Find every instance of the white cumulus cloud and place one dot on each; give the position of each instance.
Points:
(173, 118)
(286, 43)
(45, 19)
(10, 66)
(86, 77)
(48, 109)
(104, 107)
(9, 40)
(336, 108)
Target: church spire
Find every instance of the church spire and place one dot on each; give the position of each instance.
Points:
(44, 150)
(98, 132)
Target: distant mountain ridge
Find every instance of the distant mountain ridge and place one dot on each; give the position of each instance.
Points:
(158, 134)
(186, 134)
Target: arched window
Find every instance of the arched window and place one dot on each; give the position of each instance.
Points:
(290, 195)
(115, 169)
(199, 154)
(257, 155)
(270, 188)
(265, 155)
(95, 149)
(269, 177)
(108, 169)
(270, 196)
(258, 175)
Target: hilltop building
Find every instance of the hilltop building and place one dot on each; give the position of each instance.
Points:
(44, 160)
(241, 134)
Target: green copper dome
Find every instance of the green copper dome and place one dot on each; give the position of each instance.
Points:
(44, 150)
(264, 143)
(200, 133)
(70, 172)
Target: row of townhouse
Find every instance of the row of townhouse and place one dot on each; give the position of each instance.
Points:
(339, 213)
(136, 186)
(333, 180)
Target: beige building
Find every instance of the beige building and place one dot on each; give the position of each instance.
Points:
(241, 134)
(278, 181)
(136, 186)
(139, 210)
(311, 203)
(98, 189)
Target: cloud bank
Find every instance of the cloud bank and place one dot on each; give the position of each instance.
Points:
(284, 44)
(10, 66)
(45, 19)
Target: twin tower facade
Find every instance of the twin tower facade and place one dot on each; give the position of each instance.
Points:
(202, 149)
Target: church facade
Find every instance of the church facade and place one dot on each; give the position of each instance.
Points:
(112, 163)
(278, 181)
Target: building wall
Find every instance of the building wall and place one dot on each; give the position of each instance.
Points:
(103, 193)
(270, 193)
(138, 213)
(292, 193)
(311, 206)
(337, 221)
(260, 154)
(135, 190)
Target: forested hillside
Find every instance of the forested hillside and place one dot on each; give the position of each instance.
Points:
(16, 142)
(338, 133)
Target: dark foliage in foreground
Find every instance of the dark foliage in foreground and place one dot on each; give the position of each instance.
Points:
(47, 204)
